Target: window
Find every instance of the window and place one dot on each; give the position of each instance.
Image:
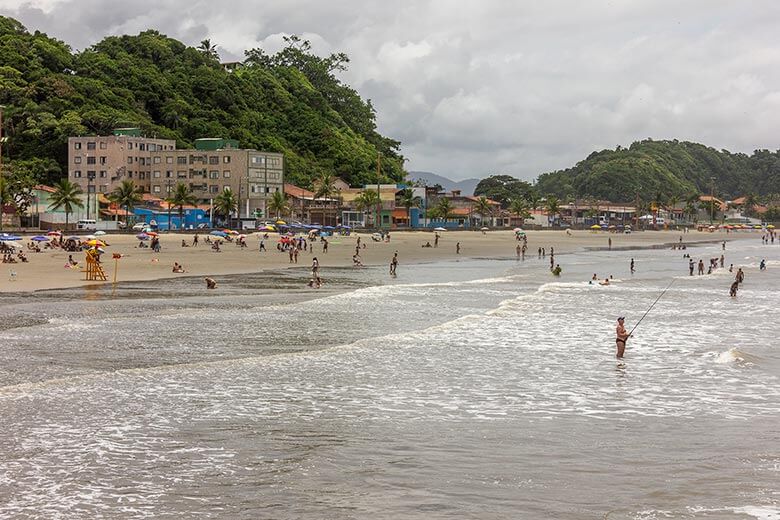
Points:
(273, 176)
(156, 160)
(90, 174)
(102, 174)
(213, 188)
(155, 189)
(77, 173)
(91, 160)
(226, 159)
(152, 147)
(214, 175)
(77, 160)
(181, 174)
(130, 175)
(169, 160)
(91, 146)
(168, 188)
(213, 159)
(102, 145)
(141, 160)
(102, 158)
(129, 145)
(226, 174)
(142, 147)
(77, 146)
(103, 188)
(258, 160)
(168, 174)
(156, 174)
(129, 160)
(141, 175)
(181, 160)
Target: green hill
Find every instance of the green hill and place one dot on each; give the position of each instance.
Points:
(671, 168)
(290, 102)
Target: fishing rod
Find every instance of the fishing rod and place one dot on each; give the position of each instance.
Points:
(651, 307)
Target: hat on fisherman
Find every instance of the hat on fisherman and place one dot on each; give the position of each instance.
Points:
(621, 318)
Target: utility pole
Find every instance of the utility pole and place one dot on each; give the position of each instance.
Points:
(378, 196)
(2, 196)
(712, 200)
(168, 201)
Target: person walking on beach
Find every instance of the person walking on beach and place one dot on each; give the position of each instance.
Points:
(691, 266)
(762, 265)
(610, 243)
(457, 248)
(621, 337)
(540, 252)
(262, 245)
(324, 245)
(722, 261)
(394, 263)
(632, 266)
(315, 267)
(734, 288)
(436, 240)
(518, 250)
(701, 266)
(740, 276)
(195, 240)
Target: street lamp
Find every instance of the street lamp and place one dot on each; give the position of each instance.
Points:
(712, 200)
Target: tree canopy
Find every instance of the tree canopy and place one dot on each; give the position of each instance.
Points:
(291, 102)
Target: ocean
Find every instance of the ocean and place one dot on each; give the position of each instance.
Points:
(476, 388)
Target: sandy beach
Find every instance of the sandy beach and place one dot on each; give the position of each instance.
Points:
(47, 269)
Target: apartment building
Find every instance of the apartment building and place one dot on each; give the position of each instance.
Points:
(217, 165)
(98, 164)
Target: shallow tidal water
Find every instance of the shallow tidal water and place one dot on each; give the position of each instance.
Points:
(464, 389)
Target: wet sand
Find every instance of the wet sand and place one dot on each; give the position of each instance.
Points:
(47, 270)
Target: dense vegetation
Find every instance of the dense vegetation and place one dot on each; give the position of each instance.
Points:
(673, 168)
(290, 102)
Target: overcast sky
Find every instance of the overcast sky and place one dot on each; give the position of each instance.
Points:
(502, 86)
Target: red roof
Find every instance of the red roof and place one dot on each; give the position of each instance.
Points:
(43, 187)
(490, 201)
(298, 193)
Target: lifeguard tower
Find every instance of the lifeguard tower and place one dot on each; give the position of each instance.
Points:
(94, 269)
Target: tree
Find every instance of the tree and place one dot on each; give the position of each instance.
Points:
(182, 196)
(409, 200)
(126, 195)
(208, 50)
(503, 189)
(483, 208)
(443, 208)
(278, 204)
(66, 195)
(519, 208)
(553, 208)
(369, 200)
(225, 203)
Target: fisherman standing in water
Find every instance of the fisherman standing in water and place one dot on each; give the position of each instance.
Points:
(621, 337)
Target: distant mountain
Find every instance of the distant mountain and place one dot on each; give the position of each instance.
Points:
(466, 186)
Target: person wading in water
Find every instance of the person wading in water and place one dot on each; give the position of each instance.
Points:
(622, 337)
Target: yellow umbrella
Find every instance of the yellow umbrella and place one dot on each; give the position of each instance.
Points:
(281, 222)
(595, 226)
(771, 226)
(95, 243)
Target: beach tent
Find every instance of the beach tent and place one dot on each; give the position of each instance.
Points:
(439, 229)
(99, 233)
(5, 237)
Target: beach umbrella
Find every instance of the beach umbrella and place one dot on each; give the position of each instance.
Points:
(595, 226)
(518, 230)
(151, 233)
(54, 234)
(142, 236)
(40, 238)
(771, 226)
(220, 234)
(439, 229)
(282, 222)
(99, 233)
(95, 243)
(5, 237)
(484, 229)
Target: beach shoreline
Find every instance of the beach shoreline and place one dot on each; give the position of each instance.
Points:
(48, 270)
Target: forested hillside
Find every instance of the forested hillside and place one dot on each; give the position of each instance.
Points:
(671, 168)
(290, 102)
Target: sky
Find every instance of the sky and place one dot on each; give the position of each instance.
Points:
(516, 87)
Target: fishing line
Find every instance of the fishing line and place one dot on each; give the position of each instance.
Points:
(651, 307)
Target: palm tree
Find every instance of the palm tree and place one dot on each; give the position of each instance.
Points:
(409, 200)
(443, 208)
(519, 208)
(325, 187)
(182, 196)
(749, 206)
(553, 207)
(278, 204)
(483, 207)
(368, 199)
(126, 194)
(66, 196)
(225, 203)
(673, 201)
(207, 49)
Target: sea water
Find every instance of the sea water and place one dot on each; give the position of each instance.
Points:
(462, 389)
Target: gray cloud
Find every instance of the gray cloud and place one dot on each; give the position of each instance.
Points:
(500, 86)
